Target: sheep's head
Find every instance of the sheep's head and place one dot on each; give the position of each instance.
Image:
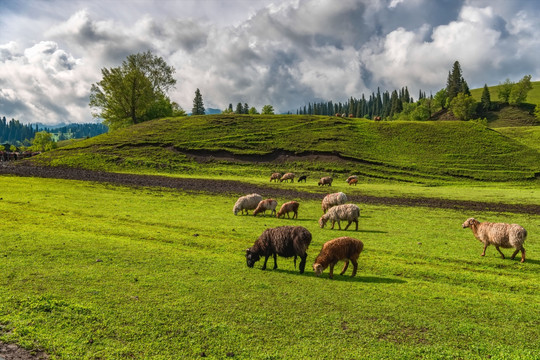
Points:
(318, 269)
(322, 221)
(470, 222)
(251, 258)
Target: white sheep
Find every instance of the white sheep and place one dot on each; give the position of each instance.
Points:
(247, 202)
(333, 200)
(346, 212)
(499, 234)
(287, 176)
(327, 180)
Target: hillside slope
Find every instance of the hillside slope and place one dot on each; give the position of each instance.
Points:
(410, 151)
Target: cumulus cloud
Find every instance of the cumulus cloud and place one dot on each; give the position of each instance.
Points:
(285, 54)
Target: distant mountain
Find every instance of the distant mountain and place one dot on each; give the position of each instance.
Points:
(210, 111)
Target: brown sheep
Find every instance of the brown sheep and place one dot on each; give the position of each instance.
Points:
(350, 178)
(499, 234)
(287, 176)
(327, 180)
(275, 177)
(287, 208)
(353, 182)
(343, 248)
(267, 204)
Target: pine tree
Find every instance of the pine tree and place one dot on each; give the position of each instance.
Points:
(486, 99)
(239, 108)
(198, 106)
(454, 82)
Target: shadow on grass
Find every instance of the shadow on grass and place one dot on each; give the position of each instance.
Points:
(348, 278)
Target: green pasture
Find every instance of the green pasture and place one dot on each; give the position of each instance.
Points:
(95, 271)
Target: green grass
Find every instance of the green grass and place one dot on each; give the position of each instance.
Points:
(97, 271)
(425, 152)
(533, 97)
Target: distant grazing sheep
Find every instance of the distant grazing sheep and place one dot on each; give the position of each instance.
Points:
(338, 115)
(343, 248)
(275, 177)
(338, 213)
(287, 176)
(333, 200)
(350, 178)
(268, 204)
(377, 118)
(327, 180)
(286, 241)
(302, 178)
(287, 208)
(499, 234)
(353, 182)
(351, 115)
(245, 203)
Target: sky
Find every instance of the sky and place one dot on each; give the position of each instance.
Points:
(283, 53)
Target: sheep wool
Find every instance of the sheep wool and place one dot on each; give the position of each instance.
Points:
(245, 203)
(291, 206)
(345, 212)
(333, 200)
(267, 204)
(342, 248)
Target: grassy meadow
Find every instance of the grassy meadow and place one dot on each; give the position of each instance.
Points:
(95, 271)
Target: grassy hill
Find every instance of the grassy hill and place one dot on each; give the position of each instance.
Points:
(533, 97)
(243, 144)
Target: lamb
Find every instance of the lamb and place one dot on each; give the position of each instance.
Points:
(333, 200)
(275, 177)
(287, 176)
(353, 182)
(268, 204)
(302, 178)
(287, 208)
(499, 234)
(342, 248)
(346, 212)
(327, 180)
(245, 203)
(350, 178)
(286, 241)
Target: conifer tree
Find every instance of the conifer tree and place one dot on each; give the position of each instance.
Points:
(485, 100)
(198, 106)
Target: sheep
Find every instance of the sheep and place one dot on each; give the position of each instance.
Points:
(286, 241)
(499, 234)
(346, 212)
(268, 204)
(353, 182)
(275, 177)
(287, 208)
(342, 248)
(287, 176)
(302, 178)
(350, 178)
(333, 200)
(245, 203)
(327, 180)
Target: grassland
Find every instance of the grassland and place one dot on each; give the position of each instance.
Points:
(93, 271)
(424, 152)
(533, 97)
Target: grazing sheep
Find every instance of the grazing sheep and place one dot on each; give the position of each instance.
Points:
(333, 200)
(245, 203)
(275, 177)
(499, 234)
(353, 182)
(338, 115)
(377, 118)
(346, 212)
(286, 241)
(327, 180)
(302, 178)
(268, 204)
(287, 176)
(350, 178)
(287, 208)
(342, 248)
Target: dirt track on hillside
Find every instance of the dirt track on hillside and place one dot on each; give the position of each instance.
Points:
(286, 191)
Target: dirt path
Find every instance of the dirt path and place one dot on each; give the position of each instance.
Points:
(240, 188)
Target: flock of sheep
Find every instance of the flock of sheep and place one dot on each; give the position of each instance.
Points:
(293, 241)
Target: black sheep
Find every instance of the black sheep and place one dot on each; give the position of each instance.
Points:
(302, 178)
(286, 241)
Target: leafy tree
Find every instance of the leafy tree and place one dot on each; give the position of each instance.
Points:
(128, 94)
(519, 91)
(253, 111)
(440, 99)
(177, 110)
(2, 147)
(268, 110)
(43, 141)
(463, 106)
(198, 106)
(485, 100)
(537, 111)
(505, 89)
(12, 148)
(228, 111)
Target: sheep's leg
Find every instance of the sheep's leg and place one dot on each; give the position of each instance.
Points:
(344, 266)
(355, 267)
(500, 252)
(303, 263)
(331, 274)
(295, 216)
(288, 217)
(485, 247)
(333, 222)
(275, 261)
(339, 224)
(349, 224)
(522, 249)
(265, 261)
